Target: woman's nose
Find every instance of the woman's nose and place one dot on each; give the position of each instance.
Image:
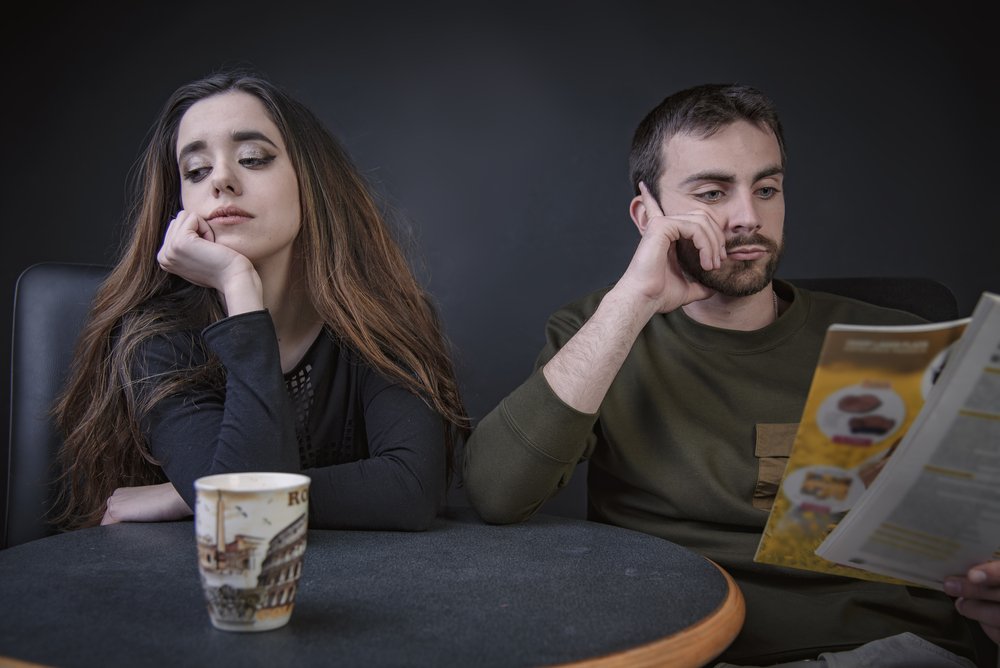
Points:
(224, 180)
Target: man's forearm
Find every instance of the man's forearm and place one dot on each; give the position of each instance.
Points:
(583, 370)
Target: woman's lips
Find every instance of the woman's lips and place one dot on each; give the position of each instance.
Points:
(229, 220)
(229, 215)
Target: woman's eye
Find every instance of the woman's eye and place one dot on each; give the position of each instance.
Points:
(196, 174)
(256, 161)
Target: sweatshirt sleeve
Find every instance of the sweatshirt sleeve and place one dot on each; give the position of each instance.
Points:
(526, 448)
(200, 431)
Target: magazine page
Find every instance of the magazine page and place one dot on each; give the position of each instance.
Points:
(934, 510)
(869, 385)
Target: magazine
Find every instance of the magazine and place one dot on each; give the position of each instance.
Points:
(901, 427)
(935, 509)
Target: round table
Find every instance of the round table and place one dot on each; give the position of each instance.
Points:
(548, 591)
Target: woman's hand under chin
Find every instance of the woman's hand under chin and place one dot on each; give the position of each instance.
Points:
(189, 250)
(147, 503)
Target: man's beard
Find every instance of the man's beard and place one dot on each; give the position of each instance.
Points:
(735, 278)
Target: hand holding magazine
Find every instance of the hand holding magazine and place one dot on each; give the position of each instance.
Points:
(902, 428)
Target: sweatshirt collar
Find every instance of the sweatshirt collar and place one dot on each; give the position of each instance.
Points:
(739, 342)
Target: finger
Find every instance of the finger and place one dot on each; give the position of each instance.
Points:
(162, 254)
(653, 209)
(109, 517)
(984, 612)
(717, 238)
(700, 231)
(971, 590)
(171, 233)
(712, 254)
(980, 581)
(183, 230)
(988, 573)
(188, 223)
(715, 243)
(711, 248)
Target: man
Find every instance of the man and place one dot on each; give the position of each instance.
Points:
(683, 382)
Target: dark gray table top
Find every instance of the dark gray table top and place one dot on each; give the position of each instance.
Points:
(550, 590)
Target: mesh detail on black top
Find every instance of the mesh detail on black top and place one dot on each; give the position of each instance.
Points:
(300, 389)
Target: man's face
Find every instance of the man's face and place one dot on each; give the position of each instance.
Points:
(736, 177)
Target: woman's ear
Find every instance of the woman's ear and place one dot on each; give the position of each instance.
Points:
(637, 209)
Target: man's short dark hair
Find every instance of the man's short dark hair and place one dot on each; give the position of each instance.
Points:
(700, 111)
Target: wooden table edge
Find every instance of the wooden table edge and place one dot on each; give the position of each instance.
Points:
(7, 662)
(692, 647)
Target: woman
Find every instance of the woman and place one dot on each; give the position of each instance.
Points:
(261, 318)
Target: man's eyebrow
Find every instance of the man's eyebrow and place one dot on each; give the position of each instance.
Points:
(769, 171)
(721, 177)
(724, 177)
(238, 136)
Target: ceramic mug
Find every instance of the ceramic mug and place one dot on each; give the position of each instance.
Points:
(251, 535)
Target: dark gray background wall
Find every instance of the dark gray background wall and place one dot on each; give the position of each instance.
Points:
(497, 133)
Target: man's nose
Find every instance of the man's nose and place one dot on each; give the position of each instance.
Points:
(743, 216)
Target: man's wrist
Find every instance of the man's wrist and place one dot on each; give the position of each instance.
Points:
(628, 307)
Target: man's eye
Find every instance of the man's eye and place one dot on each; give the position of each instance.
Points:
(710, 196)
(767, 192)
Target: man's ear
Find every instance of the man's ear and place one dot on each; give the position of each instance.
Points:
(637, 209)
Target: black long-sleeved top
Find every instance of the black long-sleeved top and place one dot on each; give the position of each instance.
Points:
(374, 451)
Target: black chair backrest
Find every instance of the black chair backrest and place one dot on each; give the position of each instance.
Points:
(51, 303)
(926, 297)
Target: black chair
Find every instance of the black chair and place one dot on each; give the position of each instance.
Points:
(926, 297)
(51, 302)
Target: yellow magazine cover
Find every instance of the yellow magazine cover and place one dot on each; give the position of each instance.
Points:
(869, 385)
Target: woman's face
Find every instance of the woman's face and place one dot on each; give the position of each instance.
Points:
(236, 174)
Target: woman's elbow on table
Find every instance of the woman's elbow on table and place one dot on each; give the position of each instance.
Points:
(418, 517)
(414, 501)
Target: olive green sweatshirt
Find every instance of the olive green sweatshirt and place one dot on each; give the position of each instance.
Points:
(689, 444)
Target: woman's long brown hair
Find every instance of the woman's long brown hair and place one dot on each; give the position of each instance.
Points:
(356, 275)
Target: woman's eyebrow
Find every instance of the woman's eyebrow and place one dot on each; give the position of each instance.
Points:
(193, 147)
(247, 135)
